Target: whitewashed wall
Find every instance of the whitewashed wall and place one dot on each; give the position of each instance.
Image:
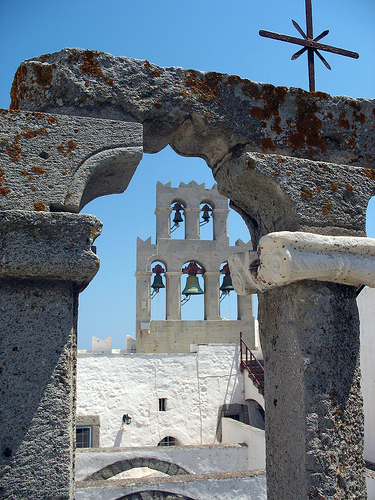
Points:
(366, 306)
(194, 384)
(237, 432)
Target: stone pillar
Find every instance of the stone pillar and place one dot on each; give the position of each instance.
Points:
(314, 421)
(173, 299)
(220, 220)
(163, 222)
(309, 332)
(46, 260)
(143, 297)
(211, 296)
(192, 223)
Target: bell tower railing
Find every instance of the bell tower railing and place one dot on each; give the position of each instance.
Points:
(250, 363)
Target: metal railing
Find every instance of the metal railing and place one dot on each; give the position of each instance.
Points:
(250, 363)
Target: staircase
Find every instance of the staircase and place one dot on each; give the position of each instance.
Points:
(250, 363)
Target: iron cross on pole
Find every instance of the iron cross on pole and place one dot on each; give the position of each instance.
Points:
(310, 44)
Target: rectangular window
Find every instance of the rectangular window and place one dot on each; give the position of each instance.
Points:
(83, 436)
(162, 404)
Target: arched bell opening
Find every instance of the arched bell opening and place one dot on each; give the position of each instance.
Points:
(158, 290)
(227, 294)
(192, 291)
(177, 220)
(206, 220)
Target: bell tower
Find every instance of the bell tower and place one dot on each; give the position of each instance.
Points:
(190, 206)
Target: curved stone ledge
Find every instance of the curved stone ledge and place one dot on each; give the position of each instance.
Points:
(286, 257)
(48, 246)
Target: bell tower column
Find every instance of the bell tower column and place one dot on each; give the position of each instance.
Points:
(163, 224)
(192, 223)
(143, 309)
(173, 280)
(220, 219)
(211, 296)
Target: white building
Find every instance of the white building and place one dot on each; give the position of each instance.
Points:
(178, 413)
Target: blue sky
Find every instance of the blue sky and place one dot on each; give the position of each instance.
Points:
(209, 35)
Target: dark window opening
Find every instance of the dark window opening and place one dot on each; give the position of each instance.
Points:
(162, 404)
(168, 441)
(83, 437)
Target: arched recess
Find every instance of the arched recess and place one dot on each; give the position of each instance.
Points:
(228, 301)
(155, 495)
(194, 307)
(158, 295)
(206, 220)
(256, 414)
(120, 466)
(178, 219)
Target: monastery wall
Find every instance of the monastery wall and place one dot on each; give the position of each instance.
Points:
(194, 385)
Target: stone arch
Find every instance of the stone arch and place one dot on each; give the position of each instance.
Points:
(154, 495)
(256, 413)
(111, 470)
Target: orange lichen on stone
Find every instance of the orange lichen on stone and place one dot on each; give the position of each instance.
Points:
(326, 207)
(349, 187)
(157, 105)
(250, 164)
(147, 65)
(43, 74)
(306, 193)
(266, 144)
(33, 188)
(90, 66)
(183, 94)
(39, 207)
(30, 134)
(61, 147)
(279, 159)
(38, 170)
(318, 188)
(155, 74)
(352, 143)
(18, 89)
(52, 120)
(71, 145)
(14, 151)
(370, 173)
(207, 88)
(187, 104)
(107, 80)
(307, 124)
(343, 123)
(333, 187)
(3, 190)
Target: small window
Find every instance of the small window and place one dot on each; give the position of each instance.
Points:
(162, 404)
(83, 437)
(168, 441)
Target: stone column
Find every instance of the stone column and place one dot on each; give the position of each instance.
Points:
(173, 299)
(143, 296)
(309, 334)
(46, 260)
(192, 223)
(220, 220)
(163, 222)
(211, 296)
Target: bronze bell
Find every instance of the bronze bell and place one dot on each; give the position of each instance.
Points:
(177, 218)
(227, 285)
(158, 283)
(192, 286)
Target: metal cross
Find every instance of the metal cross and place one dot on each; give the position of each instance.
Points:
(310, 44)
